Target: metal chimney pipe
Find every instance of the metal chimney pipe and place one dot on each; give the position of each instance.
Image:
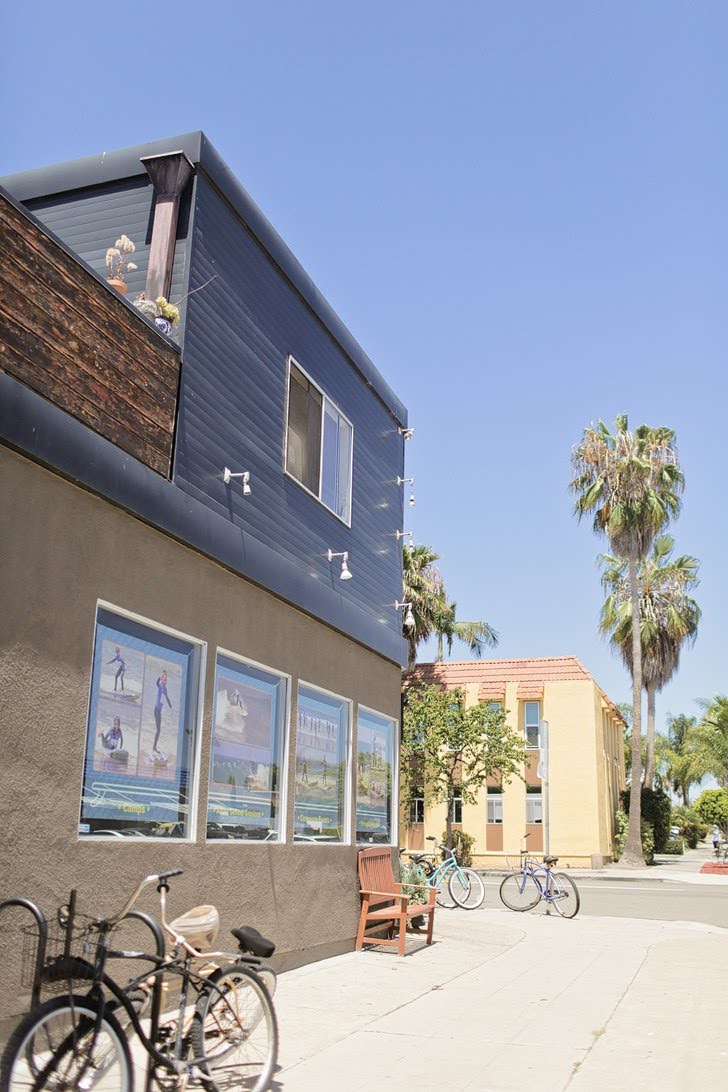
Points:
(169, 173)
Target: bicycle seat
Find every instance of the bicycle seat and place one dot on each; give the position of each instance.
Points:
(550, 860)
(250, 940)
(418, 857)
(198, 926)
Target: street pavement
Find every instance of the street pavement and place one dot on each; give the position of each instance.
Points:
(504, 1001)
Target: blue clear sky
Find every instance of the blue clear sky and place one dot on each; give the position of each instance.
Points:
(518, 209)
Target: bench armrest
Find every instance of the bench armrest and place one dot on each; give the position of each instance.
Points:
(382, 894)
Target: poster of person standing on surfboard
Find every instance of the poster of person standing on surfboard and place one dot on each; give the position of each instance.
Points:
(137, 747)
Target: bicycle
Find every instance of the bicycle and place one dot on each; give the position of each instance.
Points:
(463, 885)
(531, 881)
(80, 1040)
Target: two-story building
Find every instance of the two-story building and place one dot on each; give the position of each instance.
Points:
(200, 651)
(586, 771)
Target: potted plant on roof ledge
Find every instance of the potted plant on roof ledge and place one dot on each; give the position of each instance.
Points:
(118, 264)
(164, 315)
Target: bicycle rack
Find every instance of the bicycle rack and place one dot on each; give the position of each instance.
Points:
(40, 955)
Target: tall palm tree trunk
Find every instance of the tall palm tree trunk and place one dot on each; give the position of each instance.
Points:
(650, 748)
(633, 856)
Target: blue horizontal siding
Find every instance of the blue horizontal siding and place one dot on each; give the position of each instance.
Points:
(241, 329)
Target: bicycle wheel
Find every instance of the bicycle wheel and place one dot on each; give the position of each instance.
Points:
(234, 1030)
(519, 891)
(67, 1043)
(467, 888)
(564, 895)
(443, 894)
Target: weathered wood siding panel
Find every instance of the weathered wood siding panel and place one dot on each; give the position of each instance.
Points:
(89, 221)
(240, 331)
(71, 339)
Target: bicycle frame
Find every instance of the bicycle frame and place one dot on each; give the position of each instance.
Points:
(538, 872)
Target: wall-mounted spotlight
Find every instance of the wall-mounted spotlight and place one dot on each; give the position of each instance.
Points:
(406, 534)
(405, 432)
(409, 619)
(344, 555)
(227, 476)
(401, 481)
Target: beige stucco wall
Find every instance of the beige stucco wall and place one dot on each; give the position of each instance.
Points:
(585, 737)
(64, 549)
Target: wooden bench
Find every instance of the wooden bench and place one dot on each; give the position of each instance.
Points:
(383, 901)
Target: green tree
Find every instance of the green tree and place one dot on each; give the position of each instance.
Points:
(669, 618)
(476, 635)
(675, 757)
(630, 481)
(712, 807)
(449, 750)
(432, 613)
(708, 741)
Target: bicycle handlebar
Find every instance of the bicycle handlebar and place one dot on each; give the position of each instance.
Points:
(157, 878)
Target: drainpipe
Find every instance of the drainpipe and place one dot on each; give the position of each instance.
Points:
(169, 173)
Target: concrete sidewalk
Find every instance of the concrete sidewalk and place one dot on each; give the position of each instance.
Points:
(505, 1001)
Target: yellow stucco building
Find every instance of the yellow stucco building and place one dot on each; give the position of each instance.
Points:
(586, 763)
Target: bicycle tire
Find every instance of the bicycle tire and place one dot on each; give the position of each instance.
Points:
(54, 1047)
(520, 892)
(467, 888)
(234, 1029)
(443, 895)
(566, 902)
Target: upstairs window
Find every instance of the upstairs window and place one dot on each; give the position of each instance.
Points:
(494, 805)
(319, 444)
(532, 716)
(534, 807)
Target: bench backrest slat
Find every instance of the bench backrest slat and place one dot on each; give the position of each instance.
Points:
(375, 870)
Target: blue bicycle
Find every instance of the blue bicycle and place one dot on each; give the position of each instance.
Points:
(453, 884)
(532, 881)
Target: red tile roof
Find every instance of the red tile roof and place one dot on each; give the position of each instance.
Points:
(492, 675)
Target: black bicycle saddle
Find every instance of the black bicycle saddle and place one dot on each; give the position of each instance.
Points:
(251, 940)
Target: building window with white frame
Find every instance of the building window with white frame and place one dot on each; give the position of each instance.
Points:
(417, 809)
(319, 444)
(494, 805)
(534, 807)
(375, 776)
(139, 768)
(246, 756)
(321, 797)
(531, 720)
(456, 809)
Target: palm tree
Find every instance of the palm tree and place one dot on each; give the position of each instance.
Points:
(476, 635)
(669, 619)
(424, 590)
(679, 761)
(708, 742)
(631, 482)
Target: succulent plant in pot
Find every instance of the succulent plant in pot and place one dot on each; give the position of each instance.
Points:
(165, 315)
(118, 264)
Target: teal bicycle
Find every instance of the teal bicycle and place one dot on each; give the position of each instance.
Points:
(454, 885)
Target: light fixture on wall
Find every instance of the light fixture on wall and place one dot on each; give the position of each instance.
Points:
(405, 432)
(409, 619)
(344, 555)
(401, 481)
(406, 534)
(227, 476)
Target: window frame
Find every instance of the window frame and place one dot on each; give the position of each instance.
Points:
(246, 661)
(493, 796)
(346, 839)
(324, 399)
(535, 796)
(195, 719)
(415, 803)
(393, 803)
(526, 725)
(455, 803)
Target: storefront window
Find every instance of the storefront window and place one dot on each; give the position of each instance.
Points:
(374, 777)
(322, 748)
(246, 760)
(140, 742)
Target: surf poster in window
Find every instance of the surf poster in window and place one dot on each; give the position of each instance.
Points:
(247, 752)
(139, 741)
(322, 741)
(374, 777)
